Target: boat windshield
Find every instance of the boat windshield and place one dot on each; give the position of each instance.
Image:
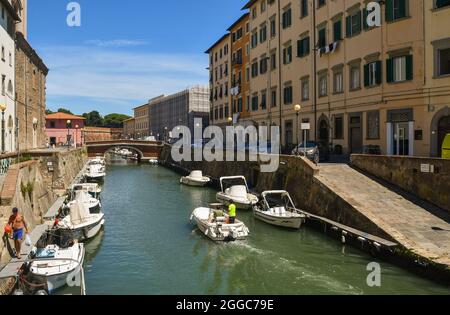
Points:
(278, 200)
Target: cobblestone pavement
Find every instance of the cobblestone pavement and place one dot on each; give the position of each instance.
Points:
(410, 222)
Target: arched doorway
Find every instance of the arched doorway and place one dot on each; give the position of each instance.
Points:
(324, 132)
(443, 130)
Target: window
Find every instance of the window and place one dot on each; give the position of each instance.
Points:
(221, 112)
(338, 82)
(338, 127)
(305, 90)
(254, 13)
(255, 102)
(239, 105)
(227, 111)
(263, 65)
(373, 125)
(287, 18)
(320, 3)
(323, 85)
(254, 40)
(263, 6)
(396, 9)
(247, 74)
(247, 105)
(353, 26)
(303, 8)
(254, 69)
(10, 59)
(263, 33)
(3, 53)
(322, 38)
(355, 77)
(287, 55)
(273, 60)
(288, 95)
(372, 74)
(273, 98)
(10, 87)
(441, 3)
(303, 47)
(263, 99)
(443, 61)
(337, 31)
(3, 84)
(399, 69)
(52, 124)
(273, 27)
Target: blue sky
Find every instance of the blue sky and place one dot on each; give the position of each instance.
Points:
(125, 52)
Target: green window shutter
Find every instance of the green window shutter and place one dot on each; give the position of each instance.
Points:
(390, 70)
(379, 72)
(337, 31)
(307, 45)
(402, 9)
(409, 67)
(358, 21)
(366, 75)
(284, 55)
(348, 27)
(365, 14)
(389, 10)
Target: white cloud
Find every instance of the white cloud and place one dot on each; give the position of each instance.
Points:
(97, 74)
(115, 43)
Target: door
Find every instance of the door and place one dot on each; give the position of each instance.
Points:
(356, 141)
(401, 138)
(289, 135)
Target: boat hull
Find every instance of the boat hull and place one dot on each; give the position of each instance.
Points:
(86, 232)
(192, 182)
(226, 200)
(292, 222)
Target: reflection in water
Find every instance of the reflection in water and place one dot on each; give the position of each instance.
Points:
(149, 247)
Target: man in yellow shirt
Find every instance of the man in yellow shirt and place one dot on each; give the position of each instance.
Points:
(232, 213)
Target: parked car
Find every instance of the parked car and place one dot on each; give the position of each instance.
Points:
(311, 151)
(446, 147)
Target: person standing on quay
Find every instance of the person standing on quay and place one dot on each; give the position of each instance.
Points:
(18, 224)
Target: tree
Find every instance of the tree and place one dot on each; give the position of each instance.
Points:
(93, 119)
(115, 120)
(65, 111)
(48, 112)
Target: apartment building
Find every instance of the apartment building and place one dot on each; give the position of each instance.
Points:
(141, 121)
(129, 128)
(361, 88)
(220, 81)
(179, 109)
(240, 70)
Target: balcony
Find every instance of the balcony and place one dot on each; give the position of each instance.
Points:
(236, 61)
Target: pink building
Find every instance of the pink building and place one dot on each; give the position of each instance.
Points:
(62, 129)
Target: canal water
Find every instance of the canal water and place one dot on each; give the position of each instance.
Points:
(149, 247)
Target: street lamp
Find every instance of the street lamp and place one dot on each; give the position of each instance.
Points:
(76, 135)
(230, 120)
(297, 109)
(3, 109)
(68, 125)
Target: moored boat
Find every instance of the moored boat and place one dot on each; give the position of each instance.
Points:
(277, 208)
(195, 178)
(239, 195)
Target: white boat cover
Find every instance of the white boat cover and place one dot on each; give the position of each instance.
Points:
(239, 191)
(202, 213)
(79, 213)
(196, 175)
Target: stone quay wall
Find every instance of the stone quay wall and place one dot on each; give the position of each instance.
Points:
(428, 178)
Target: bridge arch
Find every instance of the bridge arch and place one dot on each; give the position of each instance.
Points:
(146, 150)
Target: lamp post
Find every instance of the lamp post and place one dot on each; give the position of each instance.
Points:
(230, 121)
(68, 125)
(76, 135)
(297, 109)
(3, 109)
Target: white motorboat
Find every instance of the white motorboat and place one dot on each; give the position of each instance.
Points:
(277, 208)
(195, 178)
(97, 161)
(236, 194)
(81, 224)
(95, 172)
(92, 188)
(153, 161)
(55, 263)
(94, 205)
(214, 224)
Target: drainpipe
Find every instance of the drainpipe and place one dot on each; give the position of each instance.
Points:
(280, 25)
(315, 70)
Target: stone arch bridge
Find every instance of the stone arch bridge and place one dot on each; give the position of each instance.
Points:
(146, 150)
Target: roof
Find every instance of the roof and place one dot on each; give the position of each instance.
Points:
(23, 44)
(62, 116)
(238, 21)
(217, 42)
(129, 119)
(6, 4)
(249, 4)
(141, 106)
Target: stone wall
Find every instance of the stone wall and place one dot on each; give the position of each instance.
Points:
(102, 134)
(427, 178)
(295, 175)
(24, 187)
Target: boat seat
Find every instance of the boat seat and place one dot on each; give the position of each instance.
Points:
(279, 210)
(220, 219)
